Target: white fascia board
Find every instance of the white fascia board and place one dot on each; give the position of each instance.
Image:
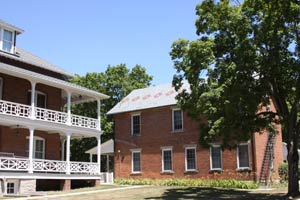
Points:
(40, 78)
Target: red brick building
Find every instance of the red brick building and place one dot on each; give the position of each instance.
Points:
(36, 123)
(155, 139)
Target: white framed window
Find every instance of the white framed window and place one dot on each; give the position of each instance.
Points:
(136, 161)
(215, 157)
(38, 147)
(190, 159)
(167, 159)
(1, 87)
(177, 120)
(136, 124)
(40, 99)
(243, 156)
(12, 186)
(7, 40)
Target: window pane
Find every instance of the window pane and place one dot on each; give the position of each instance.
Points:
(191, 159)
(41, 100)
(216, 158)
(177, 117)
(167, 159)
(136, 161)
(7, 46)
(136, 125)
(10, 188)
(7, 36)
(243, 156)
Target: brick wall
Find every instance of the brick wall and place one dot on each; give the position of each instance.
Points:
(156, 132)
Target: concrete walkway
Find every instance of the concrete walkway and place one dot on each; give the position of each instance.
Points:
(79, 193)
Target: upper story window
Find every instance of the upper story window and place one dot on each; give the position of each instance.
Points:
(6, 40)
(167, 159)
(135, 124)
(215, 157)
(190, 158)
(40, 99)
(136, 161)
(177, 120)
(243, 158)
(1, 87)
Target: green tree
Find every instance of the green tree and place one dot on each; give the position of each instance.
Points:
(116, 82)
(245, 55)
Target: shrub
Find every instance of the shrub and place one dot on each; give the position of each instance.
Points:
(230, 183)
(283, 171)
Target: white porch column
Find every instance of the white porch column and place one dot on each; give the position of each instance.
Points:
(69, 107)
(33, 84)
(99, 152)
(91, 157)
(62, 142)
(31, 135)
(99, 113)
(68, 153)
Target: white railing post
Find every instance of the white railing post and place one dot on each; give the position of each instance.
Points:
(68, 171)
(33, 84)
(99, 114)
(31, 135)
(99, 153)
(69, 108)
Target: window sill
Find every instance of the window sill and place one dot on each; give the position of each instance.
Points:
(135, 135)
(136, 173)
(244, 169)
(167, 172)
(177, 131)
(216, 170)
(193, 171)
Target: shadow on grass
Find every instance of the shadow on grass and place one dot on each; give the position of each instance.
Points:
(215, 193)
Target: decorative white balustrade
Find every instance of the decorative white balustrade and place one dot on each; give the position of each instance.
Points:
(21, 110)
(86, 122)
(15, 109)
(51, 115)
(54, 166)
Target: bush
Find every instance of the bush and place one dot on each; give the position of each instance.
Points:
(231, 183)
(283, 171)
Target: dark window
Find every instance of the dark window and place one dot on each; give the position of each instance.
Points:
(136, 161)
(190, 159)
(11, 188)
(1, 87)
(167, 160)
(216, 157)
(177, 120)
(40, 99)
(136, 125)
(243, 156)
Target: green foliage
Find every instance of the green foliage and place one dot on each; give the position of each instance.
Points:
(283, 171)
(116, 82)
(231, 183)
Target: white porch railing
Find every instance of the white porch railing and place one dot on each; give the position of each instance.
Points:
(107, 177)
(21, 110)
(41, 165)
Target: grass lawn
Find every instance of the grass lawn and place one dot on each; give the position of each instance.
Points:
(155, 192)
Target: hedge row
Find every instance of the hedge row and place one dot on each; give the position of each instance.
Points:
(231, 183)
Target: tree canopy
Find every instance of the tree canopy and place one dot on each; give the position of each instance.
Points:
(246, 54)
(116, 82)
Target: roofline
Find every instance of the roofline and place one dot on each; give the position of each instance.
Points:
(135, 110)
(11, 27)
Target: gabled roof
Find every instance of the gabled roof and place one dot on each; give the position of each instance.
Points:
(106, 148)
(10, 27)
(151, 97)
(26, 57)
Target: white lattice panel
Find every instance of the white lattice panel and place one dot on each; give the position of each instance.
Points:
(51, 115)
(84, 121)
(14, 164)
(9, 108)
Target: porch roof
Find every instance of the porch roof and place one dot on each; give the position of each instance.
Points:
(106, 148)
(40, 78)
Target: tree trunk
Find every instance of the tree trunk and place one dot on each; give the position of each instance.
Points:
(293, 184)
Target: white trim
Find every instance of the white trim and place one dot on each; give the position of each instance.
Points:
(1, 87)
(16, 186)
(237, 156)
(185, 158)
(37, 92)
(210, 156)
(173, 125)
(163, 149)
(134, 115)
(35, 138)
(132, 168)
